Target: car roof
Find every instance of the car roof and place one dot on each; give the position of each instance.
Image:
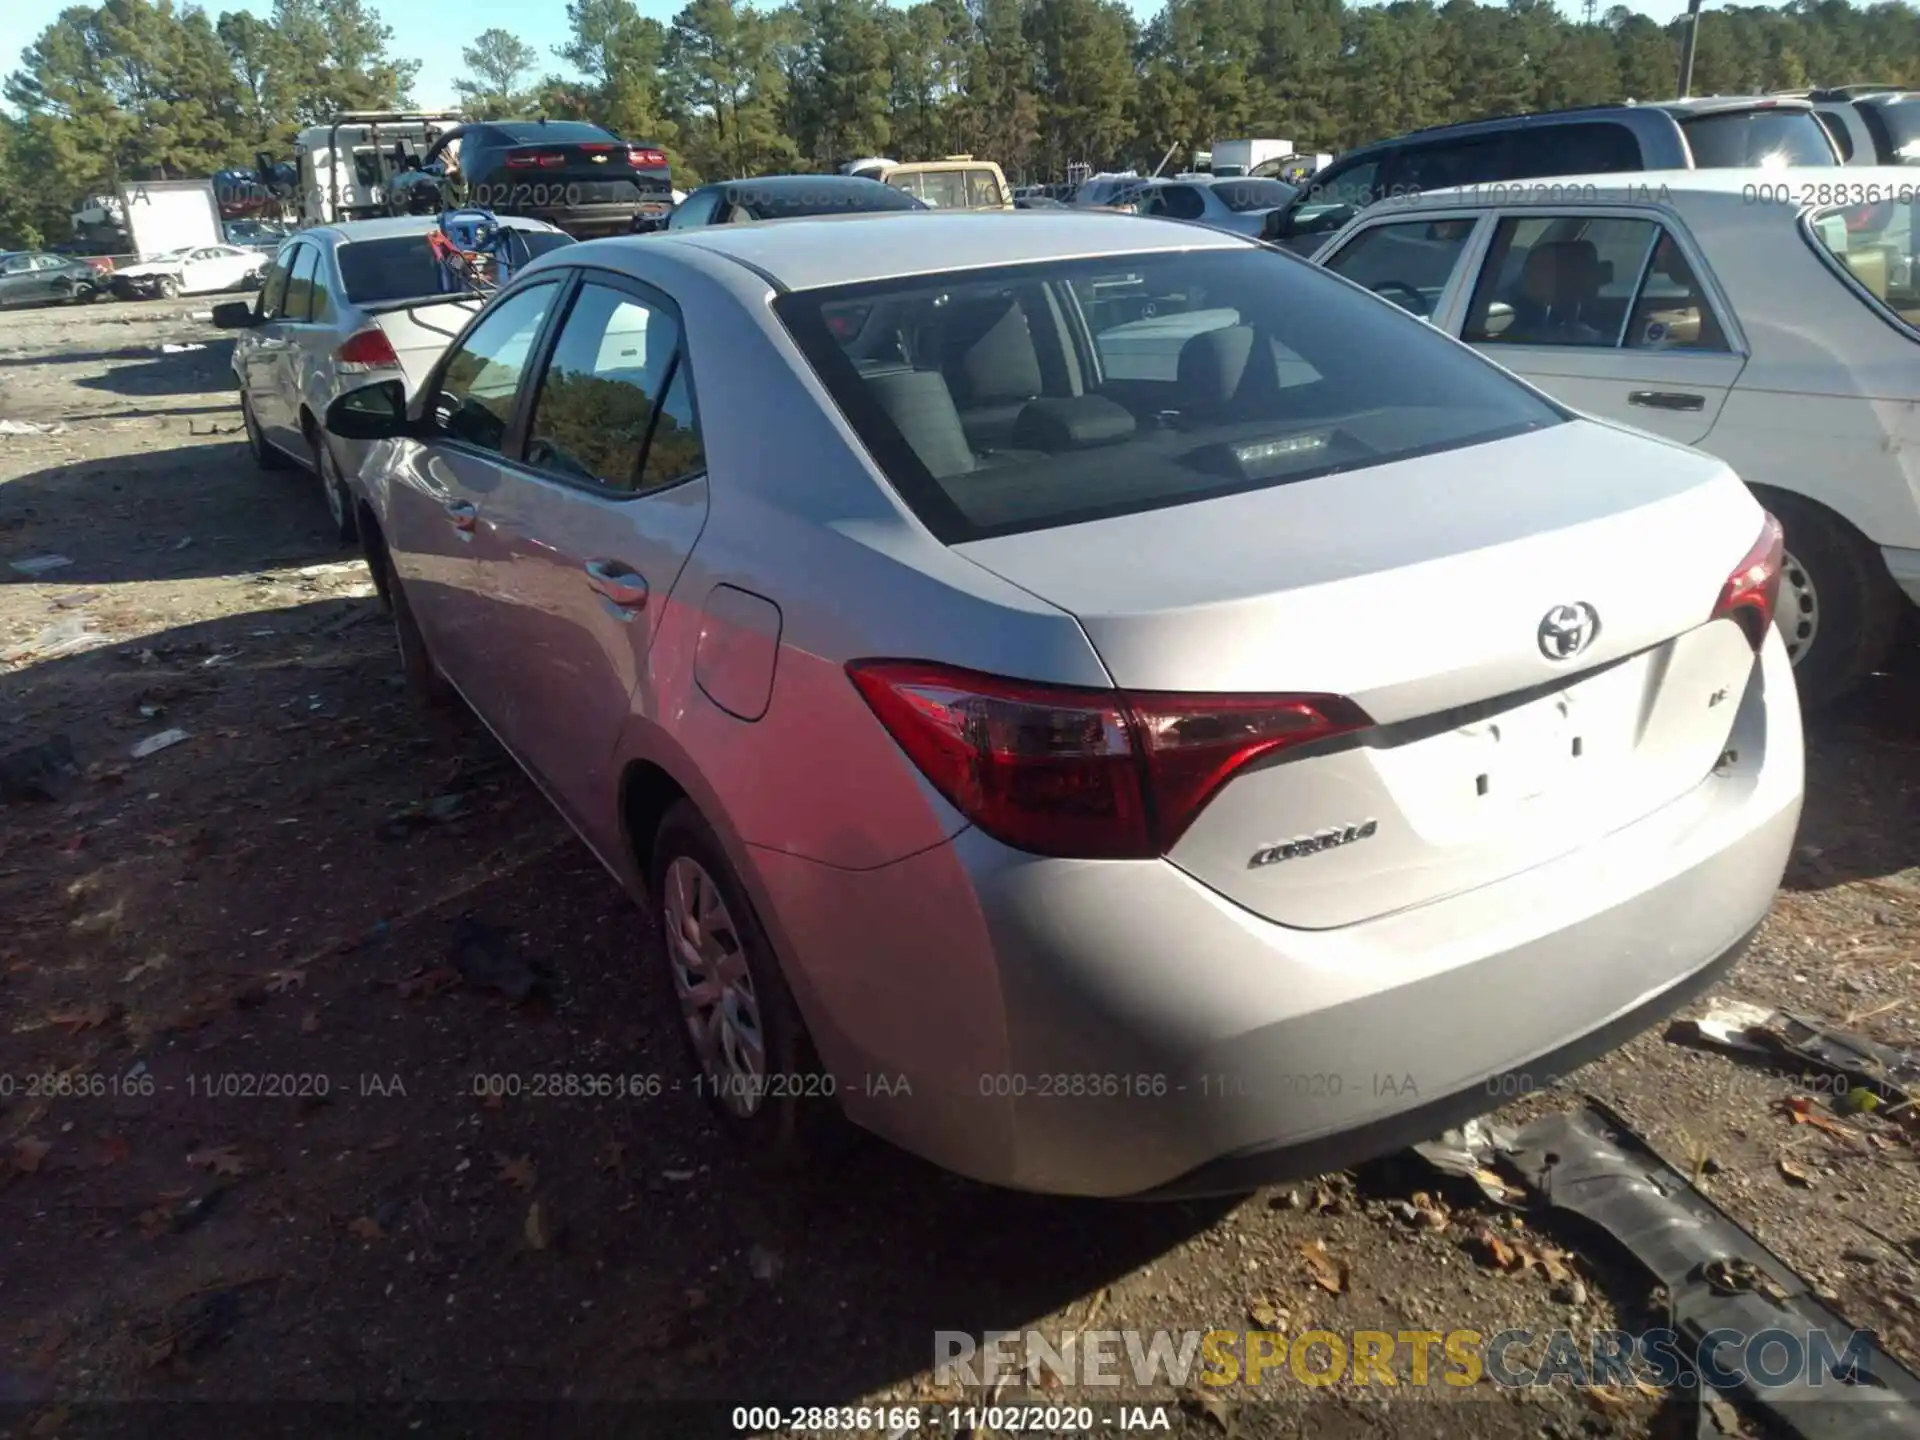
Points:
(387, 226)
(815, 252)
(777, 184)
(1642, 187)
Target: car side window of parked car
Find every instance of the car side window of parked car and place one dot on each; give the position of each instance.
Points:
(298, 306)
(1585, 280)
(473, 399)
(1878, 246)
(1598, 147)
(1409, 262)
(273, 288)
(1179, 202)
(613, 409)
(1451, 162)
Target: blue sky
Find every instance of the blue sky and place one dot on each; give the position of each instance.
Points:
(424, 33)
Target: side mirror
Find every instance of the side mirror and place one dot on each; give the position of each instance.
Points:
(1278, 225)
(373, 412)
(235, 315)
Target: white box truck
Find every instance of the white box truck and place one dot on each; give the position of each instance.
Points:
(167, 215)
(1241, 157)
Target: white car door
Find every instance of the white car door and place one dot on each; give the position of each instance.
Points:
(1607, 312)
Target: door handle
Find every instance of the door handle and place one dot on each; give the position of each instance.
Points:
(1667, 400)
(619, 583)
(463, 515)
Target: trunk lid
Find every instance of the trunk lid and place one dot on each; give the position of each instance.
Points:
(587, 173)
(1421, 590)
(421, 331)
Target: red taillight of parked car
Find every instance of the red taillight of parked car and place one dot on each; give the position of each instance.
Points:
(535, 162)
(1092, 774)
(367, 350)
(643, 157)
(1752, 592)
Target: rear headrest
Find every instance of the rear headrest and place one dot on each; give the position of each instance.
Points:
(921, 407)
(1073, 422)
(1560, 271)
(990, 354)
(1212, 365)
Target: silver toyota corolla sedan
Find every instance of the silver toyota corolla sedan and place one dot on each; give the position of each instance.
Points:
(1113, 708)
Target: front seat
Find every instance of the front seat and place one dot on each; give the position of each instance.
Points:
(987, 355)
(1559, 284)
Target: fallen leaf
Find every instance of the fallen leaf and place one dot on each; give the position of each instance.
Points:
(1795, 1174)
(310, 1022)
(517, 1171)
(1607, 1400)
(28, 1152)
(536, 1227)
(112, 1150)
(222, 1161)
(612, 1155)
(1199, 1403)
(74, 1021)
(1802, 1110)
(279, 981)
(425, 984)
(366, 1228)
(1494, 1250)
(1550, 1262)
(1267, 1315)
(154, 1222)
(1328, 1273)
(1429, 1211)
(494, 1102)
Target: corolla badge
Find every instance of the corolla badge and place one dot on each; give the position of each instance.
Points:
(1566, 630)
(1312, 844)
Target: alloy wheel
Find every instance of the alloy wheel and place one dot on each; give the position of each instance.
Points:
(714, 986)
(1798, 613)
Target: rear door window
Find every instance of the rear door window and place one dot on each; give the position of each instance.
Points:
(1436, 166)
(1590, 281)
(1408, 262)
(1768, 138)
(1875, 247)
(598, 418)
(298, 306)
(1585, 148)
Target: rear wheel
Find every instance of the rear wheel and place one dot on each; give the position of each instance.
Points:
(428, 687)
(333, 485)
(264, 453)
(1839, 609)
(731, 1003)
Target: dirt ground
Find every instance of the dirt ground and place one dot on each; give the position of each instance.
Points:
(251, 984)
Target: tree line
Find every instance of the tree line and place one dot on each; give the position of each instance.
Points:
(140, 89)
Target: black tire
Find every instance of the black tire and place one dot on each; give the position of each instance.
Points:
(1839, 608)
(167, 288)
(265, 455)
(333, 486)
(796, 1117)
(429, 688)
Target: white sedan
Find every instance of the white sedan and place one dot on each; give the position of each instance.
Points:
(1769, 318)
(194, 270)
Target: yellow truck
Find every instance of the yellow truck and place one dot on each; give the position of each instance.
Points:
(957, 182)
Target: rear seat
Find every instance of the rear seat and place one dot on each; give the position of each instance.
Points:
(987, 354)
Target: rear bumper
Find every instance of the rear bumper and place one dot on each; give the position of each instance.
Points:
(1904, 566)
(1119, 1029)
(591, 220)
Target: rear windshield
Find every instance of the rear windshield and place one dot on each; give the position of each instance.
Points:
(1048, 394)
(1251, 194)
(402, 267)
(1771, 138)
(558, 132)
(787, 202)
(1875, 244)
(1896, 124)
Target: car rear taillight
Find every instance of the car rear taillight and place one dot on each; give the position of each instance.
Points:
(644, 158)
(1753, 590)
(1093, 774)
(530, 162)
(367, 350)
